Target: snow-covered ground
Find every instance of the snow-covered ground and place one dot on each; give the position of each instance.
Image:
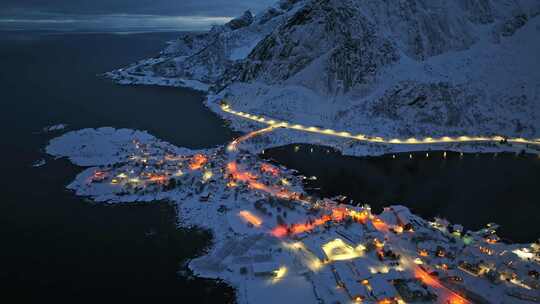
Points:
(275, 244)
(433, 69)
(54, 128)
(132, 79)
(350, 144)
(381, 68)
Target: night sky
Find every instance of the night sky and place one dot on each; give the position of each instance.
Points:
(122, 14)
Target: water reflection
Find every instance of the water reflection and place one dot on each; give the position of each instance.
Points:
(470, 189)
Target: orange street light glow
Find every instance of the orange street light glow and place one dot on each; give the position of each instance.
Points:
(379, 224)
(248, 177)
(266, 168)
(426, 278)
(451, 296)
(198, 161)
(377, 139)
(250, 218)
(156, 178)
(279, 231)
(338, 215)
(99, 175)
(361, 217)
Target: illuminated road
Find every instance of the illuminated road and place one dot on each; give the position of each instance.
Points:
(445, 293)
(234, 144)
(366, 138)
(237, 169)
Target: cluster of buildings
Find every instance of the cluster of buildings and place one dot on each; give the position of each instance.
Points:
(273, 239)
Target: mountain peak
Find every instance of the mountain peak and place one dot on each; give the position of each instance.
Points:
(245, 20)
(374, 56)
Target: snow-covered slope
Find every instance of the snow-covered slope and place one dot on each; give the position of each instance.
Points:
(204, 57)
(381, 67)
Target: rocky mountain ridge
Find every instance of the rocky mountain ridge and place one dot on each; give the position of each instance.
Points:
(468, 64)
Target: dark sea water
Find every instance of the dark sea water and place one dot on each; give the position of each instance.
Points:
(55, 246)
(472, 190)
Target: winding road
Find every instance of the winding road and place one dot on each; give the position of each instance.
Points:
(445, 293)
(376, 139)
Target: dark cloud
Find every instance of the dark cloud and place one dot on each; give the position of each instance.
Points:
(122, 14)
(154, 7)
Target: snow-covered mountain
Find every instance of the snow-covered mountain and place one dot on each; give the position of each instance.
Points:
(382, 67)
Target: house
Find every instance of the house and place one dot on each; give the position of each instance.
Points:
(382, 288)
(265, 269)
(355, 290)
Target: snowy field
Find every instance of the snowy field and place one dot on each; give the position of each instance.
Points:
(274, 243)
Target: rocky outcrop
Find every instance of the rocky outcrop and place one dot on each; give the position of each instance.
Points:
(445, 105)
(438, 63)
(429, 103)
(355, 63)
(245, 20)
(478, 11)
(510, 26)
(187, 44)
(331, 38)
(332, 46)
(340, 46)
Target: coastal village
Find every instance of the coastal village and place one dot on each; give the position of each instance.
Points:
(418, 90)
(275, 243)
